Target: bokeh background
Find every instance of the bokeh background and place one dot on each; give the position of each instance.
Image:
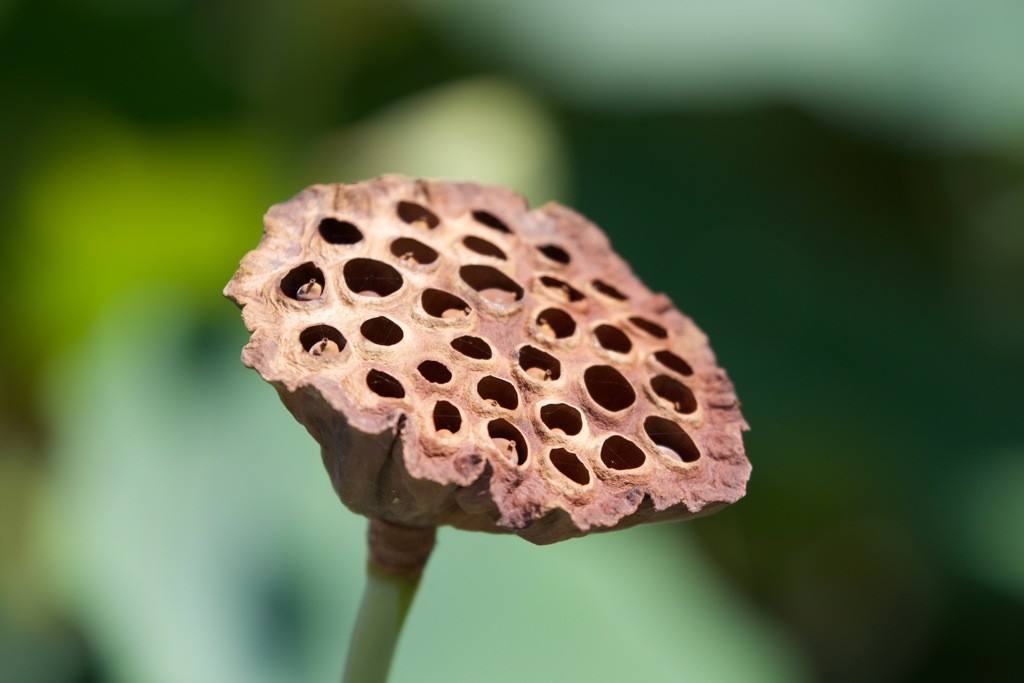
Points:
(834, 191)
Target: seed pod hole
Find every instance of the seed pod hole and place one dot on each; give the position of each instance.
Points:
(560, 290)
(413, 251)
(492, 284)
(539, 365)
(561, 417)
(435, 372)
(619, 453)
(555, 253)
(322, 340)
(372, 278)
(483, 247)
(608, 290)
(417, 216)
(569, 464)
(671, 439)
(383, 384)
(443, 305)
(334, 231)
(612, 339)
(509, 440)
(555, 323)
(472, 347)
(447, 417)
(673, 362)
(498, 392)
(382, 331)
(303, 283)
(608, 388)
(679, 395)
(491, 221)
(650, 327)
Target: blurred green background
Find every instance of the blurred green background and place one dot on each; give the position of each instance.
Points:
(834, 191)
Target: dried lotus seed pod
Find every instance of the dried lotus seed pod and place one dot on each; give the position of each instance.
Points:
(464, 360)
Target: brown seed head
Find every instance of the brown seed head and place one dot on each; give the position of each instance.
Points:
(462, 360)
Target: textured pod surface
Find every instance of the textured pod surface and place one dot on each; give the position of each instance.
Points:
(463, 360)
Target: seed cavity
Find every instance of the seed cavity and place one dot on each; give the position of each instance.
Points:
(612, 338)
(483, 247)
(619, 453)
(508, 440)
(650, 327)
(322, 340)
(555, 253)
(498, 392)
(417, 216)
(473, 347)
(443, 305)
(608, 290)
(491, 284)
(555, 323)
(303, 283)
(334, 231)
(671, 439)
(414, 252)
(539, 365)
(679, 395)
(382, 331)
(383, 384)
(561, 417)
(371, 278)
(447, 417)
(570, 465)
(435, 372)
(491, 221)
(608, 388)
(673, 362)
(560, 290)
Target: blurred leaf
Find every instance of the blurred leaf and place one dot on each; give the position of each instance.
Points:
(190, 515)
(109, 209)
(634, 605)
(927, 69)
(485, 130)
(989, 251)
(189, 512)
(988, 521)
(21, 479)
(294, 62)
(30, 654)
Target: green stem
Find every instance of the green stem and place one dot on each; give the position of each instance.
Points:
(397, 557)
(385, 603)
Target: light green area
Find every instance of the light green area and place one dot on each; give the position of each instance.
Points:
(487, 130)
(939, 70)
(189, 514)
(191, 527)
(635, 605)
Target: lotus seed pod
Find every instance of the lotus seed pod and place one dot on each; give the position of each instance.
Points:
(464, 360)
